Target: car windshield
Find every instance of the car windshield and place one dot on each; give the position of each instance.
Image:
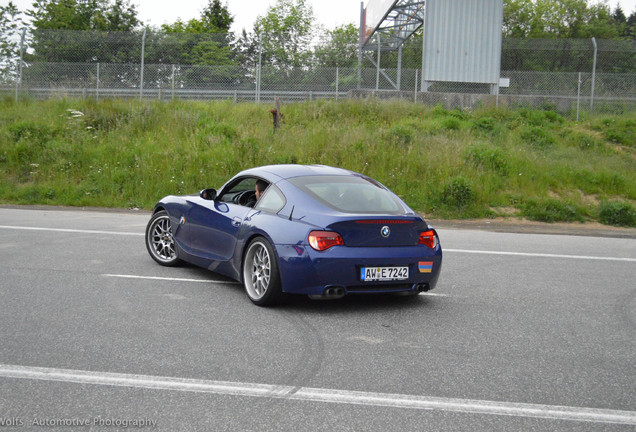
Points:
(350, 194)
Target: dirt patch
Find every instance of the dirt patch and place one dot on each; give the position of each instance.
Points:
(505, 211)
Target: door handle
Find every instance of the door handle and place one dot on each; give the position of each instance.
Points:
(250, 216)
(236, 221)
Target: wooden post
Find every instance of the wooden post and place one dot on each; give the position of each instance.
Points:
(276, 114)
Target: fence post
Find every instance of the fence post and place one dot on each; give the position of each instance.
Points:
(377, 71)
(18, 78)
(360, 45)
(497, 102)
(593, 74)
(417, 74)
(143, 53)
(399, 69)
(260, 66)
(337, 81)
(172, 81)
(97, 86)
(578, 98)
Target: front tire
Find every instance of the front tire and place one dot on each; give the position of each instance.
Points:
(160, 240)
(261, 279)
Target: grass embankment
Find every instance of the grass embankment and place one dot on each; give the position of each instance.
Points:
(447, 164)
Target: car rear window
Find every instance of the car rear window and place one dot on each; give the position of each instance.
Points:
(272, 200)
(350, 194)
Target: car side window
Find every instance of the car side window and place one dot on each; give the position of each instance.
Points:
(244, 185)
(272, 200)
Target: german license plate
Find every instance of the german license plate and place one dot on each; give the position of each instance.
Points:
(370, 274)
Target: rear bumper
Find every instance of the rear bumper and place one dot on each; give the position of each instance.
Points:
(304, 270)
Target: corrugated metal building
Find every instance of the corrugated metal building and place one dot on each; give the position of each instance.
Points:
(462, 41)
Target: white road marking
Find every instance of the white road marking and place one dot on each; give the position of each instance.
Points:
(552, 412)
(66, 230)
(542, 255)
(168, 279)
(430, 294)
(483, 252)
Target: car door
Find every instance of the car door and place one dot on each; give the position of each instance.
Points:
(214, 224)
(214, 227)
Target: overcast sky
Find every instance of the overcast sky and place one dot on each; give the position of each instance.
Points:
(330, 13)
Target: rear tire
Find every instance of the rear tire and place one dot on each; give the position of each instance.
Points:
(261, 279)
(160, 241)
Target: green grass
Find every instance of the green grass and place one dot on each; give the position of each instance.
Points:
(445, 163)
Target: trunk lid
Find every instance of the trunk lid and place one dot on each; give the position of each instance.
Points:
(380, 231)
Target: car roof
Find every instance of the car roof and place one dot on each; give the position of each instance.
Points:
(287, 171)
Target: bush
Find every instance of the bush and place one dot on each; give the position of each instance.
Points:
(224, 130)
(617, 213)
(551, 210)
(451, 123)
(402, 133)
(458, 114)
(618, 131)
(439, 111)
(553, 117)
(458, 193)
(31, 132)
(540, 118)
(537, 137)
(107, 117)
(583, 141)
(488, 157)
(624, 136)
(484, 124)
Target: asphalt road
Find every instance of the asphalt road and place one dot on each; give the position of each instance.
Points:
(523, 332)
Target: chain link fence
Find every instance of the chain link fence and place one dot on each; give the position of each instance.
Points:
(152, 64)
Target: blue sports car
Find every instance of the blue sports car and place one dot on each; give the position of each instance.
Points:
(314, 230)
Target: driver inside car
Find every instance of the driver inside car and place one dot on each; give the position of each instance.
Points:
(259, 188)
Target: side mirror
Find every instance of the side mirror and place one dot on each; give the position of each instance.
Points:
(208, 194)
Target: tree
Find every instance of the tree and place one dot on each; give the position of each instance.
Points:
(246, 50)
(10, 28)
(286, 32)
(216, 17)
(102, 15)
(339, 47)
(558, 19)
(620, 20)
(107, 31)
(600, 24)
(121, 16)
(568, 26)
(631, 26)
(202, 41)
(516, 19)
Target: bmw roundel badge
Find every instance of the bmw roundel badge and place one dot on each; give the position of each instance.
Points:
(385, 231)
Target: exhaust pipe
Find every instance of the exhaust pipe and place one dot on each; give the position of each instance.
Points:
(423, 287)
(330, 293)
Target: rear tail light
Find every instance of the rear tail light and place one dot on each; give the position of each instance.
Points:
(323, 240)
(428, 238)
